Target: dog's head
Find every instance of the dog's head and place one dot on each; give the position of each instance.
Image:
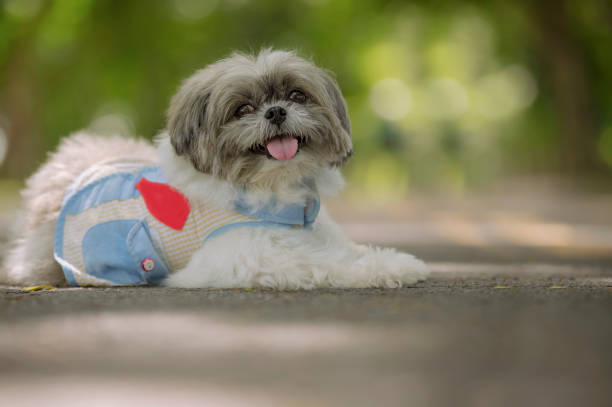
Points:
(262, 121)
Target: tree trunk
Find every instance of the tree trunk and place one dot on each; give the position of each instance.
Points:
(563, 64)
(18, 101)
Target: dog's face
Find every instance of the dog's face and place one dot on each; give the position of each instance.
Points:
(260, 121)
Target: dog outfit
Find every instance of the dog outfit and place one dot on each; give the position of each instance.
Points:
(122, 224)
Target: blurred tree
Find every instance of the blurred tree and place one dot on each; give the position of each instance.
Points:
(564, 63)
(18, 93)
(448, 93)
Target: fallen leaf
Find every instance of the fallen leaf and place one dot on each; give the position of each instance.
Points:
(38, 288)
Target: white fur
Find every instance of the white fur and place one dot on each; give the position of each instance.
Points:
(31, 261)
(30, 257)
(296, 259)
(244, 257)
(209, 158)
(281, 258)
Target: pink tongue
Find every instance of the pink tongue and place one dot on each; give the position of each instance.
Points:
(282, 148)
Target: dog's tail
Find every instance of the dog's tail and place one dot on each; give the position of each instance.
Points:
(28, 257)
(9, 249)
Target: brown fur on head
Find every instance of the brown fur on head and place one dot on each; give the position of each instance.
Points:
(206, 125)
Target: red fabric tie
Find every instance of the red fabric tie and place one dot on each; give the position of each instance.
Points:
(165, 203)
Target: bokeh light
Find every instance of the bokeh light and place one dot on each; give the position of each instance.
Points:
(445, 99)
(22, 9)
(193, 9)
(503, 94)
(390, 99)
(112, 119)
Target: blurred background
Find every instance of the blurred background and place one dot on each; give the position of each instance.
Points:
(483, 145)
(459, 108)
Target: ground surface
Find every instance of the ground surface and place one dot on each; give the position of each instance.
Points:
(518, 312)
(474, 335)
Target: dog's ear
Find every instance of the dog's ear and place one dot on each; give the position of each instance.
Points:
(187, 113)
(343, 142)
(338, 102)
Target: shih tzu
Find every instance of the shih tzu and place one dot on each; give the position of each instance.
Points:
(229, 197)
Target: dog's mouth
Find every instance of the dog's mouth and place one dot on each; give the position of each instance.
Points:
(281, 147)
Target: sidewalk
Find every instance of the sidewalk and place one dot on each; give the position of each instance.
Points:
(517, 312)
(528, 220)
(470, 336)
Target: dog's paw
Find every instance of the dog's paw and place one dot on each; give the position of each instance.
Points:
(392, 269)
(182, 280)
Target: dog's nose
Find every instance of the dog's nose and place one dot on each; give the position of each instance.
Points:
(276, 115)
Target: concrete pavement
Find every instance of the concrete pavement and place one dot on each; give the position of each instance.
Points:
(518, 312)
(474, 335)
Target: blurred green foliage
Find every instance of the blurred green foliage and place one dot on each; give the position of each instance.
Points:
(442, 94)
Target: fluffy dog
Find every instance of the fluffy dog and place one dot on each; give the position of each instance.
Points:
(251, 144)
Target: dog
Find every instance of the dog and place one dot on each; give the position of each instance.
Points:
(229, 195)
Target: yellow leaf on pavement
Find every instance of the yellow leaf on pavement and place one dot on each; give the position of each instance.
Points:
(39, 288)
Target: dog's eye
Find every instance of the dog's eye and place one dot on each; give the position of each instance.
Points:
(297, 96)
(244, 110)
